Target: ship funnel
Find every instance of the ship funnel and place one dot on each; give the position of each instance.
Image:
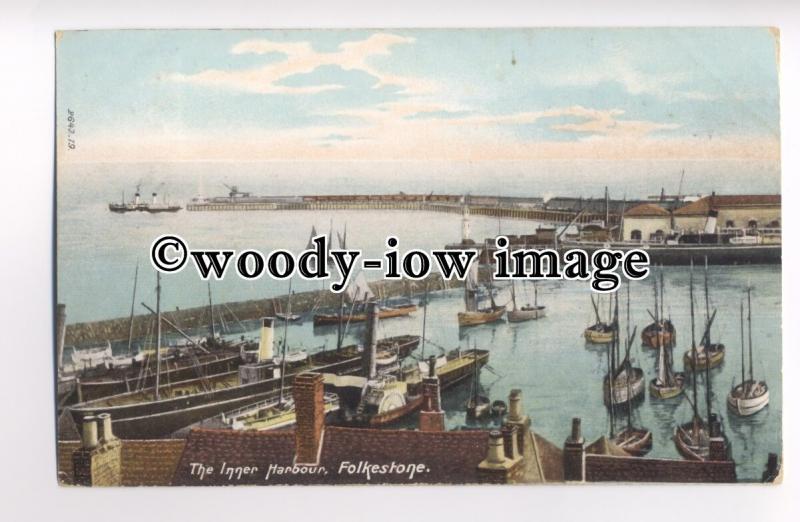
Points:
(155, 198)
(265, 350)
(371, 341)
(711, 222)
(136, 198)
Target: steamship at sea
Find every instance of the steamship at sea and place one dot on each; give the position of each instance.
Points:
(137, 205)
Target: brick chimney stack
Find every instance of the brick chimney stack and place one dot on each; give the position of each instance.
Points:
(431, 418)
(516, 417)
(308, 391)
(498, 467)
(575, 454)
(98, 461)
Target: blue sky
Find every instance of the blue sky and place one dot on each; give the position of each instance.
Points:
(420, 94)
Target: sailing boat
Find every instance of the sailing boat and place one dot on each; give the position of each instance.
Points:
(527, 312)
(693, 439)
(600, 332)
(661, 332)
(473, 315)
(478, 405)
(714, 353)
(359, 293)
(667, 383)
(636, 441)
(750, 396)
(624, 383)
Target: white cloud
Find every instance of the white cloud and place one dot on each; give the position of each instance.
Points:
(301, 58)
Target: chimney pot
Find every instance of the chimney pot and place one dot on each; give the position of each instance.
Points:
(496, 454)
(106, 433)
(576, 430)
(89, 432)
(515, 405)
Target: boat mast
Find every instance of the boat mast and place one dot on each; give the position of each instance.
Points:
(535, 294)
(628, 348)
(339, 326)
(750, 334)
(424, 321)
(741, 328)
(285, 337)
(513, 295)
(705, 289)
(133, 303)
(609, 382)
(158, 333)
(662, 362)
(694, 345)
(211, 310)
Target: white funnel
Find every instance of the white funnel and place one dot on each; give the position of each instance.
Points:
(265, 351)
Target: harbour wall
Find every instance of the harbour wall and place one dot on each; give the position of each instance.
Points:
(378, 203)
(117, 330)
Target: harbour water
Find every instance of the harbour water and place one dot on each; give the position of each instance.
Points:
(559, 374)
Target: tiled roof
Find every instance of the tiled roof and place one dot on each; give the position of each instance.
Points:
(150, 462)
(646, 210)
(703, 205)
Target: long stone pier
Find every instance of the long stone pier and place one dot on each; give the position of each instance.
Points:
(489, 206)
(116, 330)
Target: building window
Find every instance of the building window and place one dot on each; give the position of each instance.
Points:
(730, 224)
(775, 224)
(659, 235)
(636, 235)
(752, 224)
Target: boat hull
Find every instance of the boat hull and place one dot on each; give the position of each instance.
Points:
(595, 336)
(668, 392)
(156, 419)
(654, 337)
(521, 315)
(383, 313)
(717, 356)
(745, 406)
(623, 392)
(479, 317)
(636, 442)
(691, 448)
(96, 389)
(382, 419)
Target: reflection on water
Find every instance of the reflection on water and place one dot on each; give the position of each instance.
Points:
(559, 374)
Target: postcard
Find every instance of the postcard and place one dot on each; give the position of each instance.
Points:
(407, 256)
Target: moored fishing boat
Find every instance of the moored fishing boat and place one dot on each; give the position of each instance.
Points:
(693, 439)
(624, 383)
(667, 383)
(708, 355)
(601, 332)
(636, 441)
(473, 314)
(749, 396)
(527, 312)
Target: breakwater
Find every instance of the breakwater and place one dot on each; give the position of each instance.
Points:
(494, 207)
(192, 319)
